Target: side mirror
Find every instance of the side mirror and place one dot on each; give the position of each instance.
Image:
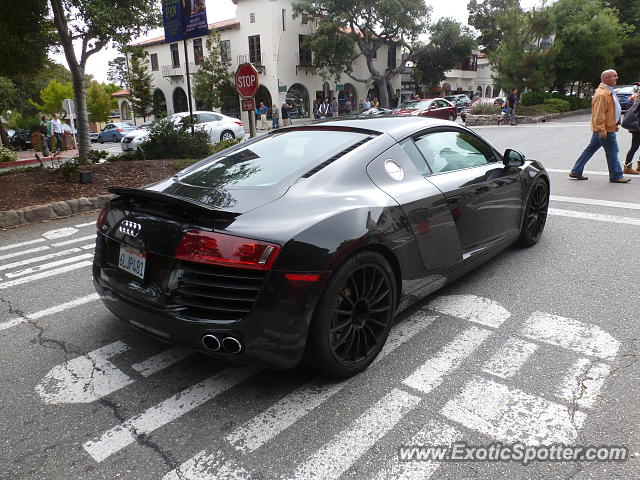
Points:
(512, 158)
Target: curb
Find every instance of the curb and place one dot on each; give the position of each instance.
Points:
(482, 120)
(31, 161)
(52, 211)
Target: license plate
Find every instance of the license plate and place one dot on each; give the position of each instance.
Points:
(132, 260)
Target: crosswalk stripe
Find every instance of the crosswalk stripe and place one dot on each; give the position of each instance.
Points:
(119, 437)
(41, 258)
(47, 266)
(161, 361)
(509, 358)
(511, 415)
(45, 274)
(431, 373)
(337, 456)
(21, 244)
(74, 240)
(472, 308)
(207, 467)
(584, 382)
(435, 433)
(598, 217)
(50, 311)
(593, 201)
(24, 252)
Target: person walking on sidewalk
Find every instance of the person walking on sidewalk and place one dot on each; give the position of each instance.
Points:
(275, 117)
(263, 116)
(632, 123)
(56, 131)
(605, 117)
(512, 100)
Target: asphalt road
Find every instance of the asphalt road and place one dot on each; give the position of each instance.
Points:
(537, 346)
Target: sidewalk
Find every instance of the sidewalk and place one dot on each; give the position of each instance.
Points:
(28, 157)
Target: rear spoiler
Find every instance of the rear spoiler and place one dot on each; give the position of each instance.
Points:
(166, 198)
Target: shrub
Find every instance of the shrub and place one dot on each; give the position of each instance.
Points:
(533, 98)
(168, 140)
(7, 155)
(556, 105)
(218, 147)
(479, 108)
(126, 156)
(95, 156)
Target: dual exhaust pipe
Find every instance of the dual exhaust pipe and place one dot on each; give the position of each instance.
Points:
(227, 344)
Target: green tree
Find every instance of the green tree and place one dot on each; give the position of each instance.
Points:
(349, 29)
(52, 96)
(95, 24)
(628, 62)
(7, 97)
(483, 16)
(450, 43)
(140, 85)
(524, 58)
(213, 76)
(588, 40)
(99, 102)
(117, 72)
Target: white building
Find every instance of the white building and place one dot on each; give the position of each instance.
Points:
(265, 33)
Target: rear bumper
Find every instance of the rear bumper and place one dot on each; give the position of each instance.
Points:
(274, 333)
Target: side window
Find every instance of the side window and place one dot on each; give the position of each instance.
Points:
(207, 117)
(449, 151)
(416, 157)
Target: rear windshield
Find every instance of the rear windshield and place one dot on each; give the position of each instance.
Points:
(421, 105)
(275, 157)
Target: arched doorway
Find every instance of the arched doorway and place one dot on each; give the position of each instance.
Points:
(298, 98)
(125, 111)
(263, 95)
(496, 92)
(180, 103)
(478, 91)
(159, 104)
(347, 100)
(488, 91)
(446, 88)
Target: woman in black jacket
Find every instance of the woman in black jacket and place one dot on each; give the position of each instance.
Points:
(632, 123)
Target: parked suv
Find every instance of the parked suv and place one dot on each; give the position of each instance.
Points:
(460, 100)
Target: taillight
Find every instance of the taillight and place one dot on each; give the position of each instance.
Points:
(101, 215)
(238, 123)
(220, 249)
(119, 130)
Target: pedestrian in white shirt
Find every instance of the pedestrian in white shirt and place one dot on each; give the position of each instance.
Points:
(56, 130)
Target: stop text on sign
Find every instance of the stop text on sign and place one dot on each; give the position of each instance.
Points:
(246, 81)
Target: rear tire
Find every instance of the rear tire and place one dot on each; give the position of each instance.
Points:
(353, 317)
(451, 118)
(114, 139)
(100, 139)
(227, 135)
(535, 214)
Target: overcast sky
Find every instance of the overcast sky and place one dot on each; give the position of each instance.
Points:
(223, 9)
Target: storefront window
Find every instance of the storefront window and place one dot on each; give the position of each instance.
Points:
(298, 98)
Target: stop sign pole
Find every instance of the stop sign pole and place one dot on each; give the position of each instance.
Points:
(247, 83)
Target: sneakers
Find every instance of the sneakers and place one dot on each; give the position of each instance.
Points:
(628, 169)
(621, 180)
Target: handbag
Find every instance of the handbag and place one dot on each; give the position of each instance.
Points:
(631, 121)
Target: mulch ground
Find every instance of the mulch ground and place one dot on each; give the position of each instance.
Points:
(40, 187)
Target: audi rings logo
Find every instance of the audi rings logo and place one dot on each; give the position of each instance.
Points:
(130, 228)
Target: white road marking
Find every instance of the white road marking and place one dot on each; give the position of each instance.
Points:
(23, 252)
(85, 379)
(75, 240)
(80, 225)
(598, 217)
(509, 358)
(472, 308)
(207, 467)
(161, 361)
(432, 372)
(586, 172)
(60, 233)
(284, 413)
(291, 408)
(598, 203)
(337, 456)
(119, 437)
(50, 311)
(21, 244)
(584, 338)
(45, 274)
(434, 433)
(41, 258)
(47, 266)
(584, 382)
(511, 415)
(88, 247)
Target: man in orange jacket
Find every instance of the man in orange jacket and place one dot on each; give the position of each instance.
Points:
(605, 118)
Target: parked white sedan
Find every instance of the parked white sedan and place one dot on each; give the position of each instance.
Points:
(220, 127)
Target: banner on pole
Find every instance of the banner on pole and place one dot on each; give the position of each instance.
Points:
(184, 19)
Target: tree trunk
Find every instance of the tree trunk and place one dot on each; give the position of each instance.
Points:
(383, 91)
(4, 139)
(82, 115)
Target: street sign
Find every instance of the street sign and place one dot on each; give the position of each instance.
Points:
(248, 105)
(247, 82)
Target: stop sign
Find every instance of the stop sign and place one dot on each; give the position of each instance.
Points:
(247, 80)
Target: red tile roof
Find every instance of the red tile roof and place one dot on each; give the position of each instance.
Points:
(121, 93)
(223, 25)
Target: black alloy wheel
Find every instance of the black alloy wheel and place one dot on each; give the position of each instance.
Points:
(535, 215)
(354, 316)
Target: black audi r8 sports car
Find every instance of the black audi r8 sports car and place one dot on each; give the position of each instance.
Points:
(306, 242)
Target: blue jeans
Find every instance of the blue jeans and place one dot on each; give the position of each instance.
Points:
(511, 113)
(610, 145)
(275, 122)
